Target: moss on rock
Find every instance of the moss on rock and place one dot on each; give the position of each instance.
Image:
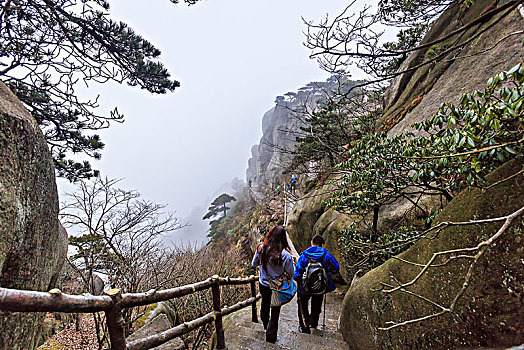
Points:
(490, 313)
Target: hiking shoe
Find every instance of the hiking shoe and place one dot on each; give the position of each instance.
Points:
(304, 330)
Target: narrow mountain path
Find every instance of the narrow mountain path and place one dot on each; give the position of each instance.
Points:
(241, 333)
(289, 202)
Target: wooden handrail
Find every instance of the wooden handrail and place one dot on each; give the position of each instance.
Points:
(31, 301)
(154, 296)
(16, 300)
(165, 336)
(112, 304)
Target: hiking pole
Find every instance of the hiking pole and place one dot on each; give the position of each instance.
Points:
(324, 320)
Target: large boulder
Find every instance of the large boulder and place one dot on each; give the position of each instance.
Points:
(489, 314)
(158, 324)
(32, 246)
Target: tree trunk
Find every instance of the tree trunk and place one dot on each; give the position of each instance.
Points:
(77, 322)
(374, 230)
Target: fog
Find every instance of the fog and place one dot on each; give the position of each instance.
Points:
(232, 57)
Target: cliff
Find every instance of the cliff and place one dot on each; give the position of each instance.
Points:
(280, 127)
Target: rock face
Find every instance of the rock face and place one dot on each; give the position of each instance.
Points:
(32, 245)
(280, 126)
(309, 217)
(61, 255)
(265, 166)
(447, 80)
(490, 313)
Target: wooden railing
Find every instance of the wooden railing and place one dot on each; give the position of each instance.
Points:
(114, 302)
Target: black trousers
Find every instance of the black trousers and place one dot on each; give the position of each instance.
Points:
(270, 323)
(305, 318)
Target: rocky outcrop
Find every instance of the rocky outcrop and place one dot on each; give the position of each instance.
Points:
(32, 245)
(490, 313)
(252, 166)
(309, 217)
(265, 166)
(158, 324)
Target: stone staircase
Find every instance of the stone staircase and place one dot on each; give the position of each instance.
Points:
(241, 333)
(289, 202)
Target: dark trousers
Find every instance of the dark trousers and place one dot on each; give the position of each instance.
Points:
(305, 318)
(270, 323)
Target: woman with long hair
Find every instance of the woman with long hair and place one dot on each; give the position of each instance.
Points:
(274, 258)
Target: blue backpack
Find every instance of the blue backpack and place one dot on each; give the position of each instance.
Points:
(314, 278)
(283, 289)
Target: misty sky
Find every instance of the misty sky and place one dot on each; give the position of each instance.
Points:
(232, 57)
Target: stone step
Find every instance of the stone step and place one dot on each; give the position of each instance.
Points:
(241, 333)
(242, 342)
(289, 336)
(330, 322)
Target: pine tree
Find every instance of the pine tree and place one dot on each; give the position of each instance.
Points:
(219, 206)
(47, 46)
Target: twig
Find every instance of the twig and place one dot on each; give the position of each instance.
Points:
(466, 153)
(504, 180)
(479, 250)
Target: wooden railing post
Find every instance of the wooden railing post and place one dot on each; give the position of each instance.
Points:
(215, 289)
(115, 321)
(254, 305)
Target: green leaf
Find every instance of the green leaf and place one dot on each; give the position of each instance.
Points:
(496, 124)
(514, 69)
(512, 112)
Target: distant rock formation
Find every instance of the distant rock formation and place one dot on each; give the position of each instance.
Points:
(265, 166)
(280, 126)
(32, 244)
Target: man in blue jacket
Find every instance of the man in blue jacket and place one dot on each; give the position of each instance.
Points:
(314, 253)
